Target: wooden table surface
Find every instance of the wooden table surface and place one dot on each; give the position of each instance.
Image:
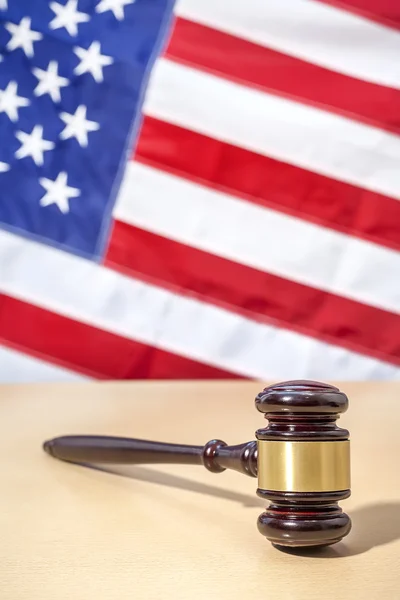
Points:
(180, 532)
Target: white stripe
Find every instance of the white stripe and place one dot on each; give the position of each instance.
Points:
(20, 368)
(309, 30)
(258, 237)
(104, 298)
(289, 131)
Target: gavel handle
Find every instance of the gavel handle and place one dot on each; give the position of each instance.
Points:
(216, 455)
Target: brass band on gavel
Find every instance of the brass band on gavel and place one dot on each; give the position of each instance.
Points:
(303, 466)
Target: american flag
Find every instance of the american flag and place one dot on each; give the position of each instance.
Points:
(199, 189)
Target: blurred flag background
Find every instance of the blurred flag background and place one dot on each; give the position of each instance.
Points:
(199, 189)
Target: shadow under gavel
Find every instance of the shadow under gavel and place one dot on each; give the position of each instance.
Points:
(301, 460)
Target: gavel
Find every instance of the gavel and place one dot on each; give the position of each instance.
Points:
(301, 459)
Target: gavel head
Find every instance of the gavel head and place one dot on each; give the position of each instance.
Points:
(303, 464)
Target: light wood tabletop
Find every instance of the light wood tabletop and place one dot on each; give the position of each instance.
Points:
(179, 531)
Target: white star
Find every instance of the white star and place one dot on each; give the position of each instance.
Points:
(117, 7)
(3, 5)
(4, 167)
(67, 16)
(22, 36)
(58, 192)
(10, 102)
(92, 61)
(33, 144)
(49, 81)
(77, 125)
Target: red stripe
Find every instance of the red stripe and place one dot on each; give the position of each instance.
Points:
(257, 66)
(255, 294)
(270, 183)
(386, 12)
(91, 351)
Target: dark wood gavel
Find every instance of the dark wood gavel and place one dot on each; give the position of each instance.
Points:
(301, 459)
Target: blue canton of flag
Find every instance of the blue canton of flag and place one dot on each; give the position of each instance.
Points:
(72, 79)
